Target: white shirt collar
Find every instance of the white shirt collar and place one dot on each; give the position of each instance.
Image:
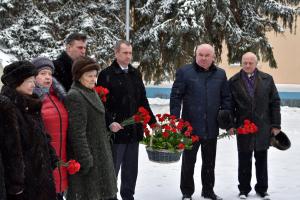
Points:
(123, 67)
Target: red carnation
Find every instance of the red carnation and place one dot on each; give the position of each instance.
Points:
(170, 134)
(73, 167)
(180, 146)
(142, 116)
(195, 138)
(247, 128)
(165, 134)
(102, 92)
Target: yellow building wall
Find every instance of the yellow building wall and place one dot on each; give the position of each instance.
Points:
(286, 49)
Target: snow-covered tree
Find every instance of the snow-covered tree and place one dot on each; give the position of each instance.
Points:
(31, 28)
(164, 33)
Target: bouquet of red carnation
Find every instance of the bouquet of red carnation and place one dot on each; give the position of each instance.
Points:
(72, 166)
(170, 134)
(102, 92)
(247, 128)
(142, 116)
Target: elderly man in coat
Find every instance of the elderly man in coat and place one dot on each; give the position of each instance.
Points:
(202, 89)
(255, 97)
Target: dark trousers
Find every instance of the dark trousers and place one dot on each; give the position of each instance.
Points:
(245, 171)
(125, 156)
(208, 154)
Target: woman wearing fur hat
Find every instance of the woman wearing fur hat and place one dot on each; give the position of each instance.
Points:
(88, 138)
(54, 115)
(39, 157)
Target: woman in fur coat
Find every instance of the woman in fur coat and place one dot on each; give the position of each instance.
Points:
(39, 158)
(11, 158)
(55, 117)
(88, 138)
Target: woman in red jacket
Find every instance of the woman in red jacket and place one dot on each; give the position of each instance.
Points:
(55, 116)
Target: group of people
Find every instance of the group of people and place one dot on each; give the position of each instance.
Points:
(50, 113)
(202, 95)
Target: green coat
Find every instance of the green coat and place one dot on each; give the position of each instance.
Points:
(89, 144)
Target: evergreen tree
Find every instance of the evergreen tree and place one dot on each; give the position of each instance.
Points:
(164, 33)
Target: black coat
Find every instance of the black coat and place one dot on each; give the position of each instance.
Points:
(263, 109)
(11, 158)
(126, 94)
(39, 157)
(200, 94)
(63, 70)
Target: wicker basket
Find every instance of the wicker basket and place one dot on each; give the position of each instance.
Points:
(162, 155)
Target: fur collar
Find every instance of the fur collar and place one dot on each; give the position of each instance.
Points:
(56, 88)
(26, 103)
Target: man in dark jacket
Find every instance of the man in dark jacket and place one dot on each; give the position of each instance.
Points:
(202, 90)
(255, 97)
(75, 48)
(11, 157)
(126, 94)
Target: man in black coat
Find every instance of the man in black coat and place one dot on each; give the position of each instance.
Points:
(11, 157)
(255, 98)
(201, 90)
(75, 48)
(126, 94)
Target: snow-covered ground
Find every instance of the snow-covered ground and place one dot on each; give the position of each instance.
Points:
(161, 181)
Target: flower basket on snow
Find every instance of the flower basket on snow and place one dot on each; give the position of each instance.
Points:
(166, 140)
(162, 155)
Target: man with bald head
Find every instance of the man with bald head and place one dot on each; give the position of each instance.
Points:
(255, 97)
(199, 91)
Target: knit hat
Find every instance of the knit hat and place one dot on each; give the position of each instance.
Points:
(15, 73)
(43, 62)
(83, 65)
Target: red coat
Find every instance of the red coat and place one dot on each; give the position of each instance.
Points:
(55, 117)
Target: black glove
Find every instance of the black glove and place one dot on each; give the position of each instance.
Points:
(225, 119)
(15, 196)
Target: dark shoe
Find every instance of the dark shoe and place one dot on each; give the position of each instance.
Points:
(243, 195)
(264, 195)
(186, 197)
(211, 196)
